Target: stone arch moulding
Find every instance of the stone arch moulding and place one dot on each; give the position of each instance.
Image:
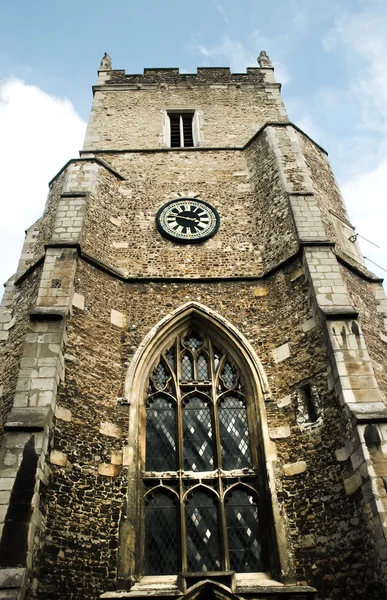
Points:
(193, 314)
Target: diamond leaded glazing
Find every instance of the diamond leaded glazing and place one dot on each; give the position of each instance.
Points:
(203, 553)
(229, 376)
(160, 376)
(161, 534)
(160, 435)
(186, 368)
(197, 423)
(170, 356)
(197, 435)
(234, 434)
(243, 532)
(202, 367)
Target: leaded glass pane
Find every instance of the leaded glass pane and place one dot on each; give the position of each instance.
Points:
(160, 376)
(161, 555)
(170, 356)
(197, 436)
(229, 375)
(203, 552)
(160, 436)
(243, 532)
(202, 367)
(234, 434)
(186, 367)
(192, 342)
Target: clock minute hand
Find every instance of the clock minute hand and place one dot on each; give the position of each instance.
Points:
(189, 219)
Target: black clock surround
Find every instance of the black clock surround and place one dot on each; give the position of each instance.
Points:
(187, 220)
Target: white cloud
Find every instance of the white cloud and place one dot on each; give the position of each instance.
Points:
(232, 52)
(220, 8)
(360, 39)
(310, 128)
(39, 134)
(361, 36)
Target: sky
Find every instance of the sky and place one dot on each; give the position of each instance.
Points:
(330, 56)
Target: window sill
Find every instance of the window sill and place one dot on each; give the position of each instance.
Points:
(170, 586)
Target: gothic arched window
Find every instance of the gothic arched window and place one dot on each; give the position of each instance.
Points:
(200, 477)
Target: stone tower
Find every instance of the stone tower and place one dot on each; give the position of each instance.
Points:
(193, 360)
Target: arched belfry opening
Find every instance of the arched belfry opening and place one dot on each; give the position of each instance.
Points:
(199, 493)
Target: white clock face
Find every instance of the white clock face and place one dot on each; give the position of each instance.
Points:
(187, 220)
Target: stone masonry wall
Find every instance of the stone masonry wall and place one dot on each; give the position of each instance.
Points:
(330, 201)
(273, 223)
(40, 233)
(85, 497)
(14, 316)
(122, 119)
(123, 232)
(367, 301)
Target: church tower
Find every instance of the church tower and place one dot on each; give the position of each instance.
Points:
(193, 360)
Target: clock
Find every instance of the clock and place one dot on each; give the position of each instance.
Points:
(187, 220)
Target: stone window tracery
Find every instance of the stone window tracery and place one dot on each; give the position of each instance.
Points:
(200, 475)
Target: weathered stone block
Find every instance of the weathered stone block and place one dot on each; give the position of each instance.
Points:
(291, 469)
(308, 325)
(28, 418)
(285, 401)
(281, 353)
(109, 470)
(78, 301)
(63, 414)
(58, 458)
(278, 433)
(110, 429)
(116, 457)
(117, 318)
(351, 484)
(260, 291)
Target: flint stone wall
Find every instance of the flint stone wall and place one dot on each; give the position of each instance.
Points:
(128, 111)
(85, 499)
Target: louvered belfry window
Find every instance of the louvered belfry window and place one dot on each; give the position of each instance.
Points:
(181, 124)
(201, 504)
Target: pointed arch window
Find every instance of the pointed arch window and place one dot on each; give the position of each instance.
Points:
(200, 479)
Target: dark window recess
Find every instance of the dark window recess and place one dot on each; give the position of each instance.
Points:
(187, 119)
(243, 532)
(161, 555)
(13, 548)
(181, 129)
(308, 404)
(160, 439)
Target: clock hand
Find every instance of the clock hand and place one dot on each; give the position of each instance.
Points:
(188, 219)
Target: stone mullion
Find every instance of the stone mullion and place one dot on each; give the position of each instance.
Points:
(351, 371)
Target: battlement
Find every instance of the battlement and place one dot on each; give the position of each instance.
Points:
(262, 74)
(172, 76)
